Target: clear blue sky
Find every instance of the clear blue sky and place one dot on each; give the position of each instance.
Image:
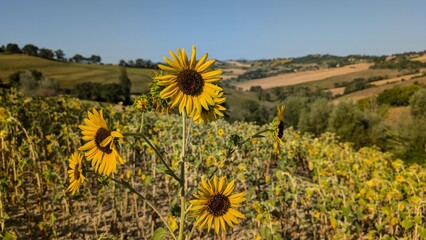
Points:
(226, 29)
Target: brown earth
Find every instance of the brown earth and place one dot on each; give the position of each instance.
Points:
(301, 77)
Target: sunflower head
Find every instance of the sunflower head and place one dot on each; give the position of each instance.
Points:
(189, 83)
(213, 113)
(100, 148)
(214, 204)
(220, 132)
(142, 103)
(75, 173)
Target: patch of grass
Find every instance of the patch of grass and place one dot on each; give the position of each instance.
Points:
(70, 74)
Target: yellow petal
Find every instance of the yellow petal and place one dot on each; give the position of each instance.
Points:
(201, 61)
(229, 188)
(222, 184)
(205, 66)
(211, 74)
(216, 225)
(193, 56)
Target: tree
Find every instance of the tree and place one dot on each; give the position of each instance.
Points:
(46, 53)
(122, 63)
(2, 48)
(30, 49)
(126, 86)
(95, 59)
(78, 58)
(418, 104)
(294, 105)
(12, 48)
(60, 55)
(315, 119)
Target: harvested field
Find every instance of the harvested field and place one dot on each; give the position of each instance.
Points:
(395, 80)
(301, 77)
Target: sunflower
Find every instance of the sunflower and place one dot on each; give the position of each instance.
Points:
(189, 83)
(220, 132)
(101, 148)
(75, 173)
(210, 115)
(278, 128)
(214, 204)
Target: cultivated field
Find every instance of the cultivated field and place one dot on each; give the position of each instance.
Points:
(301, 77)
(421, 58)
(374, 91)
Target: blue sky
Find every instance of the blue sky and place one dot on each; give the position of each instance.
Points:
(230, 29)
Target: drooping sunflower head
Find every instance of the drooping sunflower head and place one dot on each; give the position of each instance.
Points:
(212, 114)
(278, 128)
(75, 173)
(158, 103)
(189, 83)
(100, 148)
(214, 204)
(143, 103)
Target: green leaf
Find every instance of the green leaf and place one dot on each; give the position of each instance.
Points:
(407, 224)
(418, 219)
(8, 236)
(159, 234)
(423, 233)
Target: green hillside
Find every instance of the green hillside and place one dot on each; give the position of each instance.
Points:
(69, 74)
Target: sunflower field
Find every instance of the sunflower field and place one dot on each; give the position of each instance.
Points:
(314, 188)
(82, 170)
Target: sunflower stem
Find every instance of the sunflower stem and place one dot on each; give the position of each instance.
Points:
(127, 185)
(169, 170)
(232, 150)
(182, 177)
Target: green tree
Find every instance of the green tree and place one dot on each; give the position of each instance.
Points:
(294, 105)
(126, 86)
(60, 55)
(78, 58)
(418, 104)
(314, 119)
(46, 53)
(30, 49)
(254, 112)
(12, 48)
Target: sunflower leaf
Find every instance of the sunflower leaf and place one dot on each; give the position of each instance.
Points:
(159, 234)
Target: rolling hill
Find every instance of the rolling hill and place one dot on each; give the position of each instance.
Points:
(69, 74)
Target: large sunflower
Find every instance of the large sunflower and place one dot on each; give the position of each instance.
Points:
(75, 173)
(189, 83)
(101, 148)
(214, 204)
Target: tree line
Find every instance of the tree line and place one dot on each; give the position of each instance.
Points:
(59, 55)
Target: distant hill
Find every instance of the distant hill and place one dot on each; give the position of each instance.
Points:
(69, 74)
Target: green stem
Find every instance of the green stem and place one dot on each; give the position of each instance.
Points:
(231, 151)
(182, 183)
(169, 170)
(127, 185)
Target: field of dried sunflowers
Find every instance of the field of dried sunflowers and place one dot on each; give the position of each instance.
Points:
(291, 187)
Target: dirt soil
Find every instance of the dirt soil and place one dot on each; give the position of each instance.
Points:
(301, 77)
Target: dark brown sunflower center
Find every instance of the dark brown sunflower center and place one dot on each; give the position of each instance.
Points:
(218, 205)
(101, 135)
(280, 129)
(190, 82)
(76, 172)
